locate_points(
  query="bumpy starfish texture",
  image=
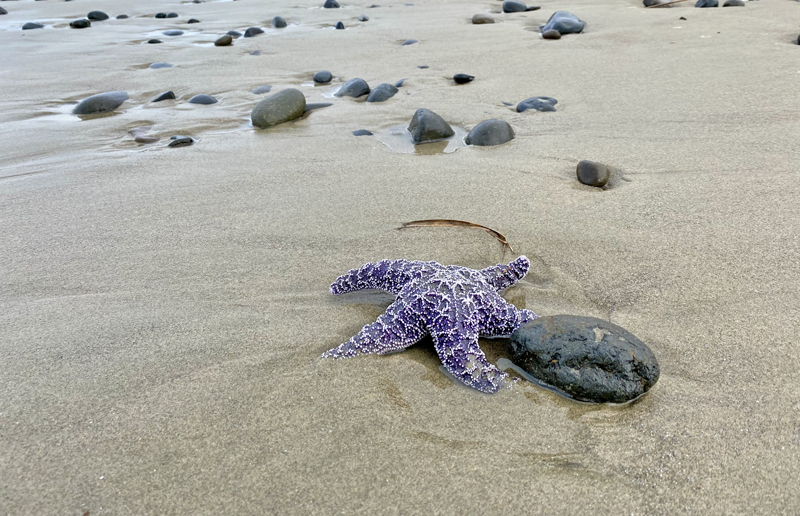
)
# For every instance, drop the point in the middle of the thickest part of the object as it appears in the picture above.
(455, 305)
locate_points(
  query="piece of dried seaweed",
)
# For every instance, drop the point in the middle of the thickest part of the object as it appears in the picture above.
(456, 223)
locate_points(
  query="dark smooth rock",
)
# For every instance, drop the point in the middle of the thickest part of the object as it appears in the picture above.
(278, 108)
(399, 84)
(317, 105)
(733, 3)
(339, 26)
(551, 34)
(462, 78)
(330, 4)
(490, 132)
(180, 141)
(156, 66)
(513, 6)
(82, 23)
(161, 15)
(648, 3)
(587, 359)
(173, 32)
(565, 23)
(172, 15)
(373, 6)
(592, 173)
(167, 95)
(153, 41)
(97, 16)
(382, 92)
(422, 67)
(682, 18)
(482, 19)
(362, 132)
(32, 25)
(278, 22)
(353, 88)
(100, 103)
(427, 126)
(224, 41)
(409, 42)
(252, 31)
(193, 20)
(537, 103)
(234, 34)
(363, 17)
(707, 3)
(122, 17)
(262, 89)
(3, 11)
(323, 76)
(202, 99)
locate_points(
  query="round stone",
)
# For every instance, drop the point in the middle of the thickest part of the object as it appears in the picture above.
(592, 173)
(234, 34)
(427, 126)
(156, 66)
(317, 105)
(551, 34)
(252, 31)
(262, 90)
(3, 11)
(363, 17)
(707, 3)
(339, 26)
(538, 104)
(100, 103)
(167, 95)
(278, 22)
(564, 23)
(32, 25)
(585, 358)
(154, 41)
(161, 15)
(462, 78)
(224, 41)
(82, 23)
(382, 92)
(362, 132)
(173, 32)
(490, 132)
(353, 88)
(323, 76)
(482, 19)
(330, 4)
(172, 15)
(278, 108)
(193, 20)
(513, 6)
(202, 99)
(733, 3)
(97, 16)
(122, 17)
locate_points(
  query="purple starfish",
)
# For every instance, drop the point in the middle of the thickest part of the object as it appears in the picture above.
(455, 305)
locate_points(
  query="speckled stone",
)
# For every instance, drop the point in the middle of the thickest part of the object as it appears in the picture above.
(100, 103)
(592, 173)
(203, 99)
(278, 108)
(427, 126)
(353, 88)
(490, 132)
(585, 358)
(180, 141)
(482, 19)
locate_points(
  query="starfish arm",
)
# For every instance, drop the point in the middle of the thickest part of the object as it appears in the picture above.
(388, 275)
(501, 319)
(462, 357)
(503, 276)
(395, 330)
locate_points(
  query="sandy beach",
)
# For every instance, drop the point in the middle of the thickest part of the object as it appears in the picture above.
(163, 310)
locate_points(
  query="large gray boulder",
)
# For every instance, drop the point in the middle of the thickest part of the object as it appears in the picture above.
(427, 126)
(278, 108)
(490, 132)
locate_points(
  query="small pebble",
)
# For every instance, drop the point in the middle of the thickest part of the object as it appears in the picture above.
(255, 52)
(156, 66)
(592, 173)
(262, 89)
(682, 18)
(193, 20)
(167, 95)
(551, 34)
(489, 133)
(172, 15)
(399, 84)
(161, 15)
(323, 76)
(462, 78)
(330, 4)
(202, 99)
(409, 42)
(363, 17)
(122, 17)
(172, 32)
(80, 24)
(482, 19)
(513, 6)
(3, 11)
(339, 25)
(252, 31)
(234, 34)
(153, 41)
(97, 16)
(32, 25)
(423, 67)
(180, 141)
(565, 23)
(362, 132)
(224, 41)
(278, 22)
(707, 3)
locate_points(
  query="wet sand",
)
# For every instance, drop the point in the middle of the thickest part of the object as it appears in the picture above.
(162, 311)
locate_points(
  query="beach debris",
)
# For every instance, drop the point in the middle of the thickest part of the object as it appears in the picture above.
(585, 358)
(537, 104)
(100, 103)
(513, 6)
(427, 126)
(167, 95)
(278, 108)
(382, 92)
(482, 19)
(353, 88)
(278, 22)
(592, 173)
(490, 132)
(456, 223)
(203, 99)
(565, 23)
(454, 305)
(462, 78)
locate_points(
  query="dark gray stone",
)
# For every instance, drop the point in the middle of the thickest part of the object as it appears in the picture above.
(193, 20)
(565, 23)
(172, 15)
(173, 32)
(490, 132)
(180, 141)
(3, 11)
(409, 42)
(592, 173)
(262, 89)
(363, 17)
(278, 22)
(316, 105)
(323, 76)
(382, 92)
(587, 359)
(330, 4)
(707, 3)
(648, 3)
(353, 88)
(161, 15)
(427, 126)
(513, 6)
(32, 25)
(82, 23)
(224, 41)
(167, 95)
(339, 26)
(234, 34)
(537, 103)
(482, 19)
(278, 108)
(100, 103)
(154, 41)
(462, 78)
(156, 66)
(97, 16)
(423, 67)
(733, 3)
(399, 84)
(252, 31)
(122, 17)
(551, 34)
(203, 99)
(362, 132)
